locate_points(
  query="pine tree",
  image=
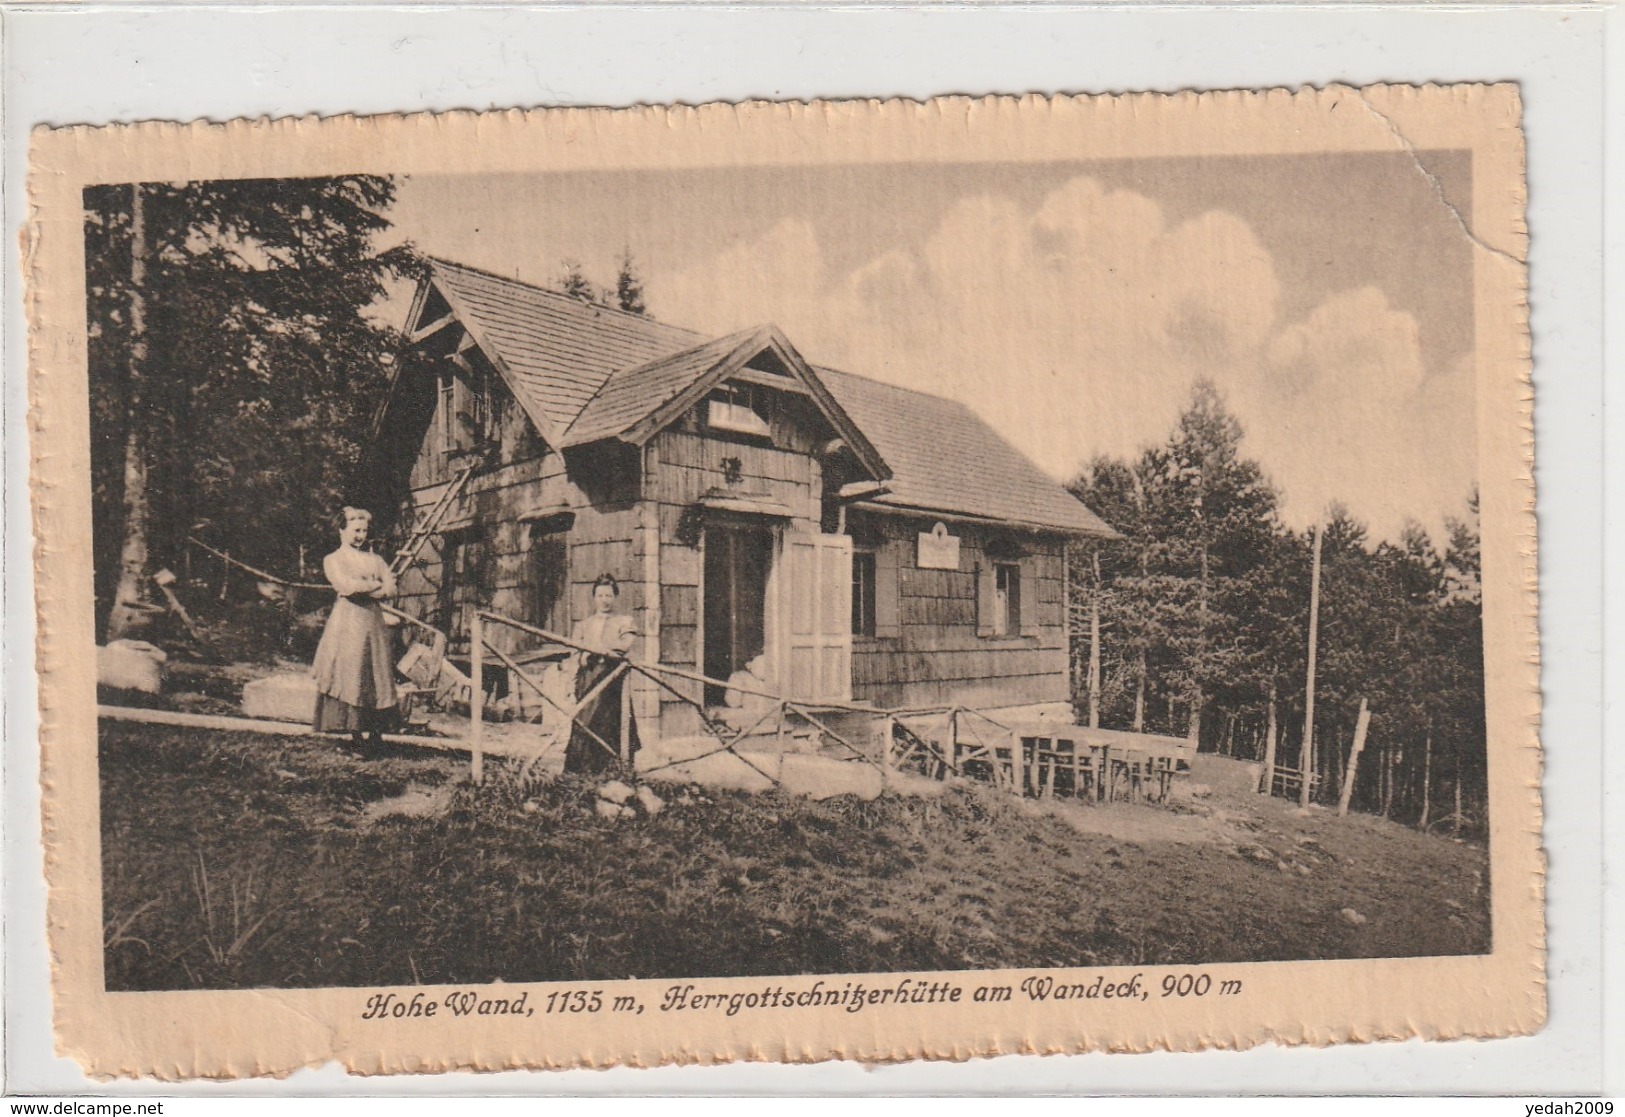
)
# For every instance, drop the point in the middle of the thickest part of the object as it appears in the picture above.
(573, 282)
(629, 286)
(233, 364)
(1213, 514)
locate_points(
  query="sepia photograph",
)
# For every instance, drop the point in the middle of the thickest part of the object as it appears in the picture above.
(508, 582)
(848, 594)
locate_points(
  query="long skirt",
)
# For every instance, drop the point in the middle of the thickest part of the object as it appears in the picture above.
(598, 723)
(355, 673)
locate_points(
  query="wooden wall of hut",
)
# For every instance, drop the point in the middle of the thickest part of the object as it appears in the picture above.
(937, 656)
(682, 467)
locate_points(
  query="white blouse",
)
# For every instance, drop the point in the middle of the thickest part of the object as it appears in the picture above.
(613, 633)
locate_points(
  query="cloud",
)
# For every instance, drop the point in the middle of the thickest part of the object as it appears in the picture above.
(1346, 410)
(1078, 326)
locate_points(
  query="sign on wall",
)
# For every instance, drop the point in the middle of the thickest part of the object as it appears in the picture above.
(938, 550)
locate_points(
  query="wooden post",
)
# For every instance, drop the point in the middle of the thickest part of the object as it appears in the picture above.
(1306, 762)
(1266, 784)
(626, 716)
(1360, 728)
(1094, 646)
(476, 698)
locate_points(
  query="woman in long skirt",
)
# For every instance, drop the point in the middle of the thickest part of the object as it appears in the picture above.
(355, 672)
(595, 735)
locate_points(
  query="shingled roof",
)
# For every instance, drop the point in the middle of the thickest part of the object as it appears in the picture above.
(946, 459)
(592, 373)
(556, 350)
(630, 394)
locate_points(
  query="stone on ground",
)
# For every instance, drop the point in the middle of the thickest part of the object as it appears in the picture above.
(130, 665)
(615, 791)
(1352, 917)
(284, 697)
(651, 803)
(612, 811)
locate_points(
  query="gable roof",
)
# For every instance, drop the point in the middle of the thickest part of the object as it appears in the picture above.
(632, 394)
(589, 372)
(946, 459)
(637, 402)
(555, 350)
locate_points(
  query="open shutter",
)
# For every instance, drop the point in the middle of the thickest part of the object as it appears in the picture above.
(815, 631)
(985, 591)
(887, 623)
(1029, 597)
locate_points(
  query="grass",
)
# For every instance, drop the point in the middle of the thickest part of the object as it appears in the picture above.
(238, 860)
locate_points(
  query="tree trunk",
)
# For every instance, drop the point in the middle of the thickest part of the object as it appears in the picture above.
(1427, 777)
(1306, 764)
(1353, 769)
(1139, 697)
(1094, 646)
(1266, 783)
(132, 581)
(1389, 763)
(1198, 699)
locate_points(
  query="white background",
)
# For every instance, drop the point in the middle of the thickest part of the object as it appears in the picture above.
(95, 65)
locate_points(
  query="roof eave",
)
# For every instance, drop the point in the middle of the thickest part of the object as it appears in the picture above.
(904, 508)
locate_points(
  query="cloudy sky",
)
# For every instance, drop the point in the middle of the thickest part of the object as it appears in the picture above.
(1071, 305)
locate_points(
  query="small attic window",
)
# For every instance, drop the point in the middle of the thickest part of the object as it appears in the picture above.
(737, 409)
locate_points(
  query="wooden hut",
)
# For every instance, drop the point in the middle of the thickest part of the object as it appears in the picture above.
(867, 542)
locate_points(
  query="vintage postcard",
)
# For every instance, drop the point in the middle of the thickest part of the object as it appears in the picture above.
(787, 581)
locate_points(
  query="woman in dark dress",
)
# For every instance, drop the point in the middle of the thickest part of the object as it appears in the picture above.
(598, 723)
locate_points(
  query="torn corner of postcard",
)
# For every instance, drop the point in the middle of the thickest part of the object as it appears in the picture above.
(588, 587)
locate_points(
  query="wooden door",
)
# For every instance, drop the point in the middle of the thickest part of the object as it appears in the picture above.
(814, 596)
(737, 561)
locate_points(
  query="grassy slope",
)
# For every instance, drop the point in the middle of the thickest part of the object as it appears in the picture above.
(234, 860)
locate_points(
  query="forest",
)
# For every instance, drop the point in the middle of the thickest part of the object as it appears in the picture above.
(237, 358)
(1196, 623)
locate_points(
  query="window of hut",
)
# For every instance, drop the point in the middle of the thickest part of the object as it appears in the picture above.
(462, 580)
(864, 584)
(1006, 599)
(468, 412)
(549, 574)
(738, 409)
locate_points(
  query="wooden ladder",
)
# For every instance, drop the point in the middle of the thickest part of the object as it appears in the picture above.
(430, 523)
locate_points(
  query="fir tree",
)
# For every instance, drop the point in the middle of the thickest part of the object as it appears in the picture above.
(629, 286)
